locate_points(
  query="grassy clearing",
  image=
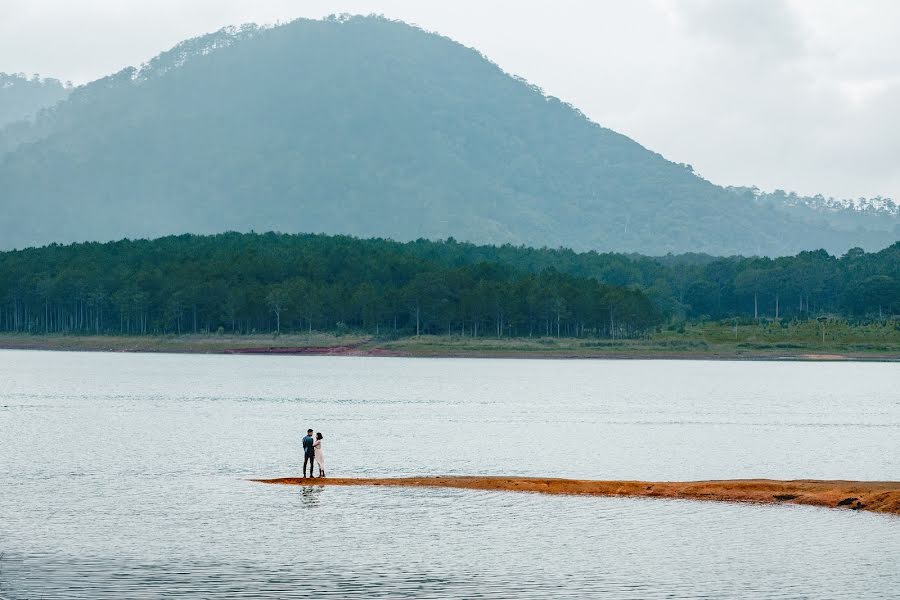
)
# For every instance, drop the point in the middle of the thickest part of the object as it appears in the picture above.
(768, 340)
(710, 340)
(807, 336)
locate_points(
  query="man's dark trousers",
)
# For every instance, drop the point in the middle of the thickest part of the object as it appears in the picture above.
(309, 454)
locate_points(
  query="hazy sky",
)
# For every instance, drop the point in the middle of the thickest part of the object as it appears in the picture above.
(795, 94)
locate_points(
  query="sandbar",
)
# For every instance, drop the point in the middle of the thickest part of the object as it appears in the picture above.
(876, 496)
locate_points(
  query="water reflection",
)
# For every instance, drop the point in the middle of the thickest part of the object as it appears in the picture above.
(311, 495)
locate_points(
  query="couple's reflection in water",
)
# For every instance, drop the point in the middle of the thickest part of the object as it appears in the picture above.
(309, 495)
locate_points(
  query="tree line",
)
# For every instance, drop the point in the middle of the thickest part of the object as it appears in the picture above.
(858, 285)
(246, 283)
(274, 282)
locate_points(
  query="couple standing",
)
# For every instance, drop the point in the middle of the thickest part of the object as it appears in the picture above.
(312, 451)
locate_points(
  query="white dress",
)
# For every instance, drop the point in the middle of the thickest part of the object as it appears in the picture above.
(320, 458)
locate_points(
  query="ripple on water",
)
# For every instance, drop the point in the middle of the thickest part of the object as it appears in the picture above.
(122, 477)
(285, 542)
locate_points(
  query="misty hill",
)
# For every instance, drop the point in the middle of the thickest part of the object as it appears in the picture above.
(21, 97)
(364, 126)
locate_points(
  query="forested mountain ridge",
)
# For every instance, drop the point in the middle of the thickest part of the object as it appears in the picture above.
(368, 127)
(22, 97)
(876, 214)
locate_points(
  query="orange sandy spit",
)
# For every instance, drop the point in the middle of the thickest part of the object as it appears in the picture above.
(877, 496)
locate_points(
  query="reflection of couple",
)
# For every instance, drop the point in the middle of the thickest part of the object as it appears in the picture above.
(312, 450)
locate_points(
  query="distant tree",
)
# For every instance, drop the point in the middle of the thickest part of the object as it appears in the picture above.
(278, 299)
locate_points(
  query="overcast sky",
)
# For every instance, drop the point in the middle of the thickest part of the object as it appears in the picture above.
(801, 95)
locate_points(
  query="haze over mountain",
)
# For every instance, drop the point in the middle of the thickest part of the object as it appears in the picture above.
(22, 97)
(374, 128)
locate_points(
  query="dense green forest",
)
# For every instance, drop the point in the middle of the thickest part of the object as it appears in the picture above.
(274, 282)
(856, 285)
(368, 127)
(249, 282)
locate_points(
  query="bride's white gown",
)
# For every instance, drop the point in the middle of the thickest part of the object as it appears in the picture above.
(320, 458)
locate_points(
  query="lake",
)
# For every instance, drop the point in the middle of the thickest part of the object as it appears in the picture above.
(124, 475)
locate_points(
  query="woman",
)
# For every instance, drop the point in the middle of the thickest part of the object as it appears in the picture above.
(320, 458)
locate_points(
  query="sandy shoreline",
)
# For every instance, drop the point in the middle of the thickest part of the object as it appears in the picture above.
(155, 347)
(876, 496)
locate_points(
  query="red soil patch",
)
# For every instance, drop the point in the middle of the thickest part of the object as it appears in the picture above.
(312, 350)
(876, 496)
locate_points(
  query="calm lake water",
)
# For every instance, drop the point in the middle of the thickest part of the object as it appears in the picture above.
(123, 476)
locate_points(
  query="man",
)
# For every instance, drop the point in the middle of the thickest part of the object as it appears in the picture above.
(309, 453)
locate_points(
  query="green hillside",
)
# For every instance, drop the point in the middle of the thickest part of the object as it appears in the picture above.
(368, 127)
(22, 97)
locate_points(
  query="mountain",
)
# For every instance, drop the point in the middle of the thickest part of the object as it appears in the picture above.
(363, 126)
(21, 98)
(860, 215)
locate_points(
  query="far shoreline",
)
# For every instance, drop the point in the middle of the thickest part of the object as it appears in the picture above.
(437, 347)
